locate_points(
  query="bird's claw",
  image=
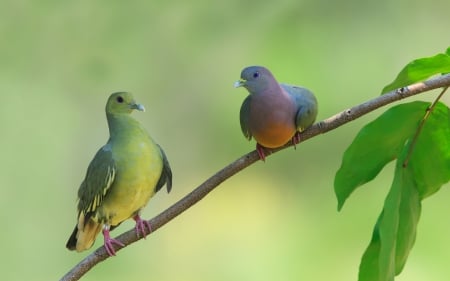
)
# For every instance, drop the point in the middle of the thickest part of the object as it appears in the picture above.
(260, 150)
(109, 242)
(142, 226)
(296, 139)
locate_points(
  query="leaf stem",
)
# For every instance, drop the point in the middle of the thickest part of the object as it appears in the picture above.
(419, 128)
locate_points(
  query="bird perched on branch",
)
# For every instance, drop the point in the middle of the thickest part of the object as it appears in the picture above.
(274, 113)
(124, 174)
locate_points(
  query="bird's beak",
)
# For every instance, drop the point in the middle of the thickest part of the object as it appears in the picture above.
(137, 106)
(239, 83)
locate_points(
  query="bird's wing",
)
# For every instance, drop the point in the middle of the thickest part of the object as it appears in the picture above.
(244, 118)
(306, 104)
(166, 173)
(99, 179)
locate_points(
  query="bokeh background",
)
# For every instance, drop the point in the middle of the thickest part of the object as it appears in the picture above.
(60, 60)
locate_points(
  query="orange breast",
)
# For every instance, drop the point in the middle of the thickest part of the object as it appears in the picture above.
(273, 135)
(272, 119)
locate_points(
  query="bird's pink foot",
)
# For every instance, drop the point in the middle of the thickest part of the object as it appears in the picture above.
(109, 242)
(142, 226)
(296, 139)
(260, 150)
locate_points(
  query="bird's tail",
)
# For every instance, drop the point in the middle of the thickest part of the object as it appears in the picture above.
(84, 234)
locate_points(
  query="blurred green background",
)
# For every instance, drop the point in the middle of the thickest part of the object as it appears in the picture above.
(60, 60)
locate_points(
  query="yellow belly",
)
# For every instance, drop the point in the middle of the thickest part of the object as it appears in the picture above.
(132, 190)
(125, 202)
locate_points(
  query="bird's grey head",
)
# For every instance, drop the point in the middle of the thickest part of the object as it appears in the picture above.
(255, 79)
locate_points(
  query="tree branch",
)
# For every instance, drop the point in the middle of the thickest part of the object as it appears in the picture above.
(201, 191)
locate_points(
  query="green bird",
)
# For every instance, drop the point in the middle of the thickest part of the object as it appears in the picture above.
(124, 174)
(274, 113)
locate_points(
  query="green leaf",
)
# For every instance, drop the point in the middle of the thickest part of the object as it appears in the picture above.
(420, 69)
(448, 51)
(378, 143)
(428, 169)
(369, 268)
(395, 231)
(430, 160)
(409, 214)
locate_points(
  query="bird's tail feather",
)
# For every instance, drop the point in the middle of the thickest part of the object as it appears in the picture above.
(72, 242)
(84, 234)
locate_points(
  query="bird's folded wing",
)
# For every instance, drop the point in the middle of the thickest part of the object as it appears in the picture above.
(306, 104)
(99, 179)
(166, 174)
(244, 118)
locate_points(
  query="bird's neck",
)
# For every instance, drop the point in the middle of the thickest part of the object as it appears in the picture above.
(122, 125)
(274, 89)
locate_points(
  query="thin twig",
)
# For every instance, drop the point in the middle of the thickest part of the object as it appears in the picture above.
(419, 128)
(201, 191)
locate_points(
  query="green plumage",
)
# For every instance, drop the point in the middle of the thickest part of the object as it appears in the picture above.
(124, 174)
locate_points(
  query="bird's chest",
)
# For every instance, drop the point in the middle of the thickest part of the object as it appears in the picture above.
(272, 121)
(138, 171)
(140, 166)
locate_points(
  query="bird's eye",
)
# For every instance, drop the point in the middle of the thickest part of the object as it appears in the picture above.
(119, 99)
(256, 74)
